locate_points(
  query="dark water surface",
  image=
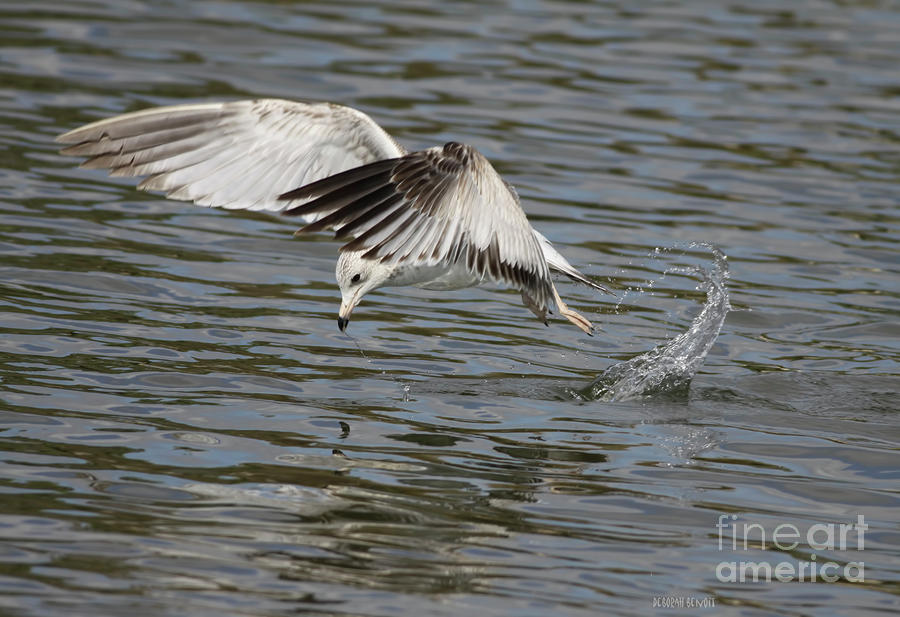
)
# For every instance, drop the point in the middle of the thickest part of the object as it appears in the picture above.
(184, 431)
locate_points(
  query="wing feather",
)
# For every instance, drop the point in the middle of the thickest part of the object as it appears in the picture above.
(442, 205)
(240, 154)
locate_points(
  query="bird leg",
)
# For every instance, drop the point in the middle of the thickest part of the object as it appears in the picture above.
(571, 315)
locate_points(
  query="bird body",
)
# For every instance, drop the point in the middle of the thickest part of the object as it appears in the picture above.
(440, 218)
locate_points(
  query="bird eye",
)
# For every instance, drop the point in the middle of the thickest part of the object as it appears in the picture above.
(355, 278)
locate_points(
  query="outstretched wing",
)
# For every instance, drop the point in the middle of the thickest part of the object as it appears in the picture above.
(239, 155)
(445, 205)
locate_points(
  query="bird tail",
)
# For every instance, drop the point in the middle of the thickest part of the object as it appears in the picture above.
(560, 264)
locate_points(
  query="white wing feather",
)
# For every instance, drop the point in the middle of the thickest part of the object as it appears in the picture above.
(240, 154)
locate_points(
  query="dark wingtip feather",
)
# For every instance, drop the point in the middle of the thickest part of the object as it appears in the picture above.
(299, 193)
(331, 183)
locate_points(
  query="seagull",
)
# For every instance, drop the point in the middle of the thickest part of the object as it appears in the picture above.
(440, 218)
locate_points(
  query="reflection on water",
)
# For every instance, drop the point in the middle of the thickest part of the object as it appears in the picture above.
(183, 430)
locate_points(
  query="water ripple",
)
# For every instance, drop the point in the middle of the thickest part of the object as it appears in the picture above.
(182, 425)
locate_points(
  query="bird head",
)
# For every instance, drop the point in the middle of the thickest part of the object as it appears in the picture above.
(356, 277)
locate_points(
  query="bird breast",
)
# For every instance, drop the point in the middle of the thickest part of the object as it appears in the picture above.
(437, 277)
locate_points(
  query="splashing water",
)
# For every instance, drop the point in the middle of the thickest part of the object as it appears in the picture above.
(669, 368)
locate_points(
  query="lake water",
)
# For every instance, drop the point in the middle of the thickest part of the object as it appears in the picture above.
(184, 431)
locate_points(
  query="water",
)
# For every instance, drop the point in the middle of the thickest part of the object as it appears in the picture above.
(183, 429)
(669, 368)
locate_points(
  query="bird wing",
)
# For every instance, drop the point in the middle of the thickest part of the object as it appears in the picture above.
(443, 205)
(238, 155)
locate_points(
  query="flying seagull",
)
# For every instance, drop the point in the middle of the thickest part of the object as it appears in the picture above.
(440, 218)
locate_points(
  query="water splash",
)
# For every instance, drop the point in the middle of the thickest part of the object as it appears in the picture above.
(669, 368)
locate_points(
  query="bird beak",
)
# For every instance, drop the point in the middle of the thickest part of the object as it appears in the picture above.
(344, 314)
